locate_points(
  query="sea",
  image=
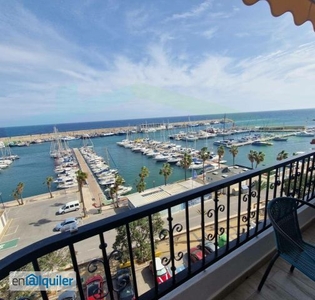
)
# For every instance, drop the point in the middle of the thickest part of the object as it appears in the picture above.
(35, 163)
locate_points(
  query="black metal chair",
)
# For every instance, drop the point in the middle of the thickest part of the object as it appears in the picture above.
(282, 213)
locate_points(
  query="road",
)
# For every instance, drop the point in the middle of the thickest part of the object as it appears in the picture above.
(36, 219)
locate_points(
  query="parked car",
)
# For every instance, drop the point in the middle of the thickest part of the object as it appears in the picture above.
(180, 268)
(196, 254)
(209, 246)
(94, 288)
(68, 207)
(66, 225)
(123, 285)
(162, 273)
(68, 295)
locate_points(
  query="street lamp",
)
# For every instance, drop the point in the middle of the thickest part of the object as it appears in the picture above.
(2, 200)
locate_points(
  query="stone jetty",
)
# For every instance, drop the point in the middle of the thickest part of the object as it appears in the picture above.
(45, 137)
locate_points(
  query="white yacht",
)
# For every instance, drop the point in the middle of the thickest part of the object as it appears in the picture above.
(304, 134)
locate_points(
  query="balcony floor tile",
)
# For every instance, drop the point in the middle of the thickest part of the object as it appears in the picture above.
(280, 284)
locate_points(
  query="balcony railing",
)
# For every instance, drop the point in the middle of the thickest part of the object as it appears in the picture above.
(225, 214)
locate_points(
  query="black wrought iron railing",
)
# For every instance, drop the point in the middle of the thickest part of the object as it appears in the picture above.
(188, 232)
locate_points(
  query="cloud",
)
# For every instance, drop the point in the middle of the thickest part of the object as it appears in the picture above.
(209, 34)
(201, 68)
(194, 12)
(136, 19)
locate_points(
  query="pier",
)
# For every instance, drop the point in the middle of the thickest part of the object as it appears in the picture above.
(262, 139)
(95, 191)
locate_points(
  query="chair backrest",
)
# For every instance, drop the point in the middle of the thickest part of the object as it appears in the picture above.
(282, 213)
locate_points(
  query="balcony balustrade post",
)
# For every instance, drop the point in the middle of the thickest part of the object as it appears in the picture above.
(37, 269)
(202, 216)
(312, 177)
(77, 271)
(132, 263)
(239, 201)
(308, 179)
(216, 227)
(228, 206)
(171, 241)
(108, 275)
(257, 204)
(152, 242)
(187, 235)
(299, 181)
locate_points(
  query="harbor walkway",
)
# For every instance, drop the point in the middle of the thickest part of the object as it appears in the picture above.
(92, 193)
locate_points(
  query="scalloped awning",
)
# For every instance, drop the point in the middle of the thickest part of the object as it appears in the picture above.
(302, 10)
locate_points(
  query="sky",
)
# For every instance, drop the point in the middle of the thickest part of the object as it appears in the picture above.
(102, 60)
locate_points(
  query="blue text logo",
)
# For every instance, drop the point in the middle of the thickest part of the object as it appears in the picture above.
(43, 281)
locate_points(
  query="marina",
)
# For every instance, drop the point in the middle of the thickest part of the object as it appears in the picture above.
(35, 163)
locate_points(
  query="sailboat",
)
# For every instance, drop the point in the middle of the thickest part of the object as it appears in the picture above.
(56, 148)
(86, 141)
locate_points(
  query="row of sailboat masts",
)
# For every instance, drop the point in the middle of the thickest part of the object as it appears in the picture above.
(58, 146)
(152, 127)
(108, 157)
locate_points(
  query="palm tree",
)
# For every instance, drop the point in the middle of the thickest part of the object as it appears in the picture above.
(81, 179)
(204, 155)
(234, 151)
(185, 162)
(251, 157)
(282, 155)
(166, 171)
(144, 173)
(16, 196)
(114, 190)
(259, 157)
(220, 152)
(48, 182)
(18, 193)
(141, 184)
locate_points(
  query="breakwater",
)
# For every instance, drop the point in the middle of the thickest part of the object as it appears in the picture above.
(102, 132)
(99, 132)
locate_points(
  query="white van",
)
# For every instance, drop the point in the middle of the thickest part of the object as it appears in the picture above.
(70, 206)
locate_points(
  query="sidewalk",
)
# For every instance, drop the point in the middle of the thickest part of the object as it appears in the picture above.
(92, 192)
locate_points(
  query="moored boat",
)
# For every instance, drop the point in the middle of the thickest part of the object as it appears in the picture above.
(304, 134)
(280, 139)
(261, 143)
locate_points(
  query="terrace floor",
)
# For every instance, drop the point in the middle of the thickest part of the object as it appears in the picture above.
(280, 284)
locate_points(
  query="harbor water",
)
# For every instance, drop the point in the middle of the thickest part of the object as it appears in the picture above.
(35, 163)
